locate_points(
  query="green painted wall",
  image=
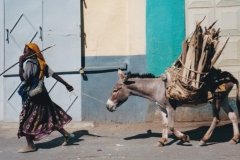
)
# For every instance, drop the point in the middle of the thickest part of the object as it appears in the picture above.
(165, 31)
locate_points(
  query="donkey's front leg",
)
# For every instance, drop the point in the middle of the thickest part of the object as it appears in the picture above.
(177, 133)
(164, 138)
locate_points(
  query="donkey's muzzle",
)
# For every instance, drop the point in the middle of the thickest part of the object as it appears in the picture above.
(110, 105)
(111, 108)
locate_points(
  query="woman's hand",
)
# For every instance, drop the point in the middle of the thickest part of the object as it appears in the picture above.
(69, 88)
(58, 78)
(22, 59)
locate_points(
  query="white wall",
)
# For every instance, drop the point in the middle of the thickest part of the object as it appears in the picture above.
(1, 55)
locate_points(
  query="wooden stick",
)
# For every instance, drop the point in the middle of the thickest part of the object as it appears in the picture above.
(190, 53)
(205, 29)
(205, 60)
(213, 31)
(26, 58)
(193, 61)
(197, 25)
(216, 33)
(215, 42)
(212, 25)
(187, 63)
(215, 36)
(216, 56)
(201, 61)
(184, 51)
(211, 53)
(198, 50)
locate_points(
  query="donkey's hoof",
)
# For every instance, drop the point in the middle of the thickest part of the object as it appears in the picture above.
(160, 144)
(202, 143)
(233, 141)
(187, 139)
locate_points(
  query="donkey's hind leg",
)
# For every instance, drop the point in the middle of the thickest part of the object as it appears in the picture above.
(233, 117)
(215, 110)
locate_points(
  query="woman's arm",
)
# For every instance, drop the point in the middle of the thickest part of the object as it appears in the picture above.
(58, 78)
(21, 70)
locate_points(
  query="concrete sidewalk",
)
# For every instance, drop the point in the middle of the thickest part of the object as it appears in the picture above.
(124, 141)
(72, 125)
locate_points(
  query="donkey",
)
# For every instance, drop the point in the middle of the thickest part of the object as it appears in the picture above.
(154, 88)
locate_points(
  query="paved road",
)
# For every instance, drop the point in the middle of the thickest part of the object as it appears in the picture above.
(125, 141)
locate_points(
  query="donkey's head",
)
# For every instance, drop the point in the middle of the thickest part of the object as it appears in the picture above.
(120, 92)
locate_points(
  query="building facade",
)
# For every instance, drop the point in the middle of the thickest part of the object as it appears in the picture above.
(96, 37)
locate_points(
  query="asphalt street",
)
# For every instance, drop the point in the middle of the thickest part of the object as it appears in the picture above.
(125, 141)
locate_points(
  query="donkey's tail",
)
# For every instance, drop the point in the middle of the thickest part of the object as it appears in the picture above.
(238, 98)
(238, 94)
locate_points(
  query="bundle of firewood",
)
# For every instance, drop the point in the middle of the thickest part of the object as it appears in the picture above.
(198, 55)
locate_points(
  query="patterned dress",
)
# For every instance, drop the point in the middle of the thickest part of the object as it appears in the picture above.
(40, 115)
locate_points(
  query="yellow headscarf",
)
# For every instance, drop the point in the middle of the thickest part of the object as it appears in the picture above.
(40, 57)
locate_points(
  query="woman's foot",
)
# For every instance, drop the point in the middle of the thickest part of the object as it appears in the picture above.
(68, 139)
(27, 149)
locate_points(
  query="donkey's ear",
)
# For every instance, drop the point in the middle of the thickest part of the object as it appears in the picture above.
(126, 77)
(120, 74)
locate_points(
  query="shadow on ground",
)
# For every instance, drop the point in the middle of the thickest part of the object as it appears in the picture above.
(56, 142)
(221, 134)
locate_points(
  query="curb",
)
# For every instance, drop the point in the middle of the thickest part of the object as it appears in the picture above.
(71, 125)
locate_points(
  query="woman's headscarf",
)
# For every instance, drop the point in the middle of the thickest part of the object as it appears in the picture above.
(40, 57)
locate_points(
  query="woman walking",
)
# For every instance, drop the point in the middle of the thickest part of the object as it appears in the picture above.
(39, 116)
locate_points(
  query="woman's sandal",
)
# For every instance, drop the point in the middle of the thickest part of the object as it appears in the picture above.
(25, 150)
(70, 138)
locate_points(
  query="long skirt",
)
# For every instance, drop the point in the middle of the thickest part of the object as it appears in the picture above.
(40, 116)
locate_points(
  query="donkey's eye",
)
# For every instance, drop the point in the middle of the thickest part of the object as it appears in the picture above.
(115, 90)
